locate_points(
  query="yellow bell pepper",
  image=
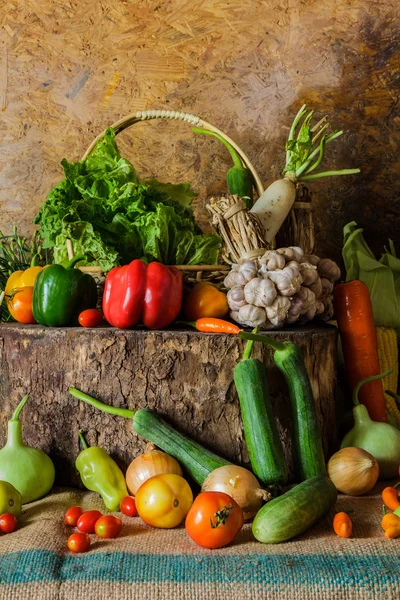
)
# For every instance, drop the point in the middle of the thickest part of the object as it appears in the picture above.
(205, 300)
(15, 284)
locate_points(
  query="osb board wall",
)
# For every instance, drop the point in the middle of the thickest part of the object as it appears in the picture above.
(68, 69)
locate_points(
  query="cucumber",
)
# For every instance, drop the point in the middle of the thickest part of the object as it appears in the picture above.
(296, 511)
(198, 461)
(307, 450)
(260, 430)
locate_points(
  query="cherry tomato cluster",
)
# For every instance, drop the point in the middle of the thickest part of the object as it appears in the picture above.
(93, 521)
(8, 523)
(90, 521)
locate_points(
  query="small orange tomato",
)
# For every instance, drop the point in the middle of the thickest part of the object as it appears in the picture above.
(72, 515)
(164, 500)
(128, 506)
(19, 305)
(79, 542)
(214, 520)
(108, 527)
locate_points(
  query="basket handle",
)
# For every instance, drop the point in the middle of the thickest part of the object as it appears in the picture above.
(145, 115)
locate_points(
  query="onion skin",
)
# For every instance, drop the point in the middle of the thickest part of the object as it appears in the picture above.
(241, 485)
(150, 463)
(353, 471)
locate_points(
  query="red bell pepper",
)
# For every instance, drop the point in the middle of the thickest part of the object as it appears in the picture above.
(151, 292)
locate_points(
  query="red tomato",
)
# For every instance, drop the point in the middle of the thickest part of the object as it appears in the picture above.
(87, 521)
(72, 515)
(108, 527)
(90, 318)
(214, 520)
(128, 506)
(79, 542)
(8, 523)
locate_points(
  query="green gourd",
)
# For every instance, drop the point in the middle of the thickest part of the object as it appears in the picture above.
(379, 439)
(29, 470)
(198, 461)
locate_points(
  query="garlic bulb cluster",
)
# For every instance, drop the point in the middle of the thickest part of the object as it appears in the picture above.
(283, 286)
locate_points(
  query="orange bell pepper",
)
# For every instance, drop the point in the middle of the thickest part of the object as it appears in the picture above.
(205, 300)
(18, 293)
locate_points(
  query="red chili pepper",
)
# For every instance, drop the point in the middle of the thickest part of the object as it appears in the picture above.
(152, 292)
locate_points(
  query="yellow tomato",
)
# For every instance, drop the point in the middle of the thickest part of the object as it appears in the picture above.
(164, 500)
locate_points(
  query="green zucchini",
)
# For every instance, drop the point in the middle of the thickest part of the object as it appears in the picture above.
(296, 511)
(198, 461)
(260, 430)
(307, 450)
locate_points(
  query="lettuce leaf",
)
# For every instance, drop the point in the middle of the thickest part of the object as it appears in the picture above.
(382, 277)
(112, 216)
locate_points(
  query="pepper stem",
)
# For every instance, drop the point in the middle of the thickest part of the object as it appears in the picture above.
(82, 440)
(356, 401)
(112, 410)
(20, 406)
(74, 260)
(264, 339)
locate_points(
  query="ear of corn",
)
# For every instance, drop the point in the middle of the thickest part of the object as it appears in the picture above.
(389, 359)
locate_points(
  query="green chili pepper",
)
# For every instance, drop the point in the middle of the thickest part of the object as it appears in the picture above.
(61, 294)
(99, 473)
(239, 178)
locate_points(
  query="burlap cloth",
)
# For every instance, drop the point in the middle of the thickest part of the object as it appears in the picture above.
(145, 563)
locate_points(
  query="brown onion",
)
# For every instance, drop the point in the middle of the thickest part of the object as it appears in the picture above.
(353, 471)
(151, 462)
(240, 484)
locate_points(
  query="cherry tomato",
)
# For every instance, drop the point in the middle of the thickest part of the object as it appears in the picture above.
(214, 520)
(8, 523)
(90, 318)
(128, 506)
(72, 515)
(19, 305)
(79, 542)
(87, 521)
(108, 527)
(164, 500)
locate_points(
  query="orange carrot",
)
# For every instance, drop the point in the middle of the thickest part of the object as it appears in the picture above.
(392, 532)
(390, 520)
(342, 525)
(357, 331)
(390, 498)
(210, 325)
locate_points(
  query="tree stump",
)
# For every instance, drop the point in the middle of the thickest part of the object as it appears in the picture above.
(186, 376)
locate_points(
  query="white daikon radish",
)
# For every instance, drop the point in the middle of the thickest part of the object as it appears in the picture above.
(304, 152)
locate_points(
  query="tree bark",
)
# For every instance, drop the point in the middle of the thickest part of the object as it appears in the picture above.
(186, 376)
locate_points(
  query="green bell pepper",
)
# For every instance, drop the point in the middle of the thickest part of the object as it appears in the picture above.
(99, 473)
(61, 294)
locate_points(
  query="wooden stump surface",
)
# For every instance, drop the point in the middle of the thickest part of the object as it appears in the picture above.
(185, 375)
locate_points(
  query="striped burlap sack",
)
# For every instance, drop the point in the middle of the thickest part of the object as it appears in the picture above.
(145, 563)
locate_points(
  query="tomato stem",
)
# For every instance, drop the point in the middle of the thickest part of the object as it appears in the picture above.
(221, 516)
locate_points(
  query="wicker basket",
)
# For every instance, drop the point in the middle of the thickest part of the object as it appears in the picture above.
(192, 273)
